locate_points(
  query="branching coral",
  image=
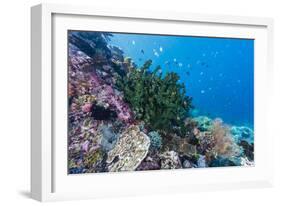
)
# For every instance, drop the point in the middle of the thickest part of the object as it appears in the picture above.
(161, 102)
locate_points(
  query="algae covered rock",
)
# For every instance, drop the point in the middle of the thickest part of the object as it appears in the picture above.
(151, 162)
(201, 162)
(107, 138)
(248, 149)
(131, 148)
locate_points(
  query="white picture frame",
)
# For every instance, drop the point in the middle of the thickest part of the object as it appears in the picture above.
(49, 181)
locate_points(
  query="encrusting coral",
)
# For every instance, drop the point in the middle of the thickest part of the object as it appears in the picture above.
(130, 150)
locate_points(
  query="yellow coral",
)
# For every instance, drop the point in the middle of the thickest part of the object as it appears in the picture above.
(86, 99)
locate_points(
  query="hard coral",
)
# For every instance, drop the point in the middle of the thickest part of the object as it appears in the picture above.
(170, 160)
(131, 148)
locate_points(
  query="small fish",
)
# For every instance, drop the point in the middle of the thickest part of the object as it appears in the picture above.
(175, 60)
(133, 42)
(140, 59)
(180, 64)
(167, 63)
(161, 49)
(187, 73)
(142, 51)
(156, 54)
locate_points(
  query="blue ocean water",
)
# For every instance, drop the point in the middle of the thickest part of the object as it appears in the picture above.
(218, 72)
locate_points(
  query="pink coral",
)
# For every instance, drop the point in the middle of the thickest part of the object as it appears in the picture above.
(85, 146)
(87, 107)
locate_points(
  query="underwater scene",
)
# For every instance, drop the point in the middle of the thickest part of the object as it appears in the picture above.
(151, 102)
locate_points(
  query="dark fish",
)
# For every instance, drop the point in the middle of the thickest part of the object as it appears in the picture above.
(140, 59)
(187, 73)
(142, 51)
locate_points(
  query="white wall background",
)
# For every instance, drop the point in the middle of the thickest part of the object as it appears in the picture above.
(15, 95)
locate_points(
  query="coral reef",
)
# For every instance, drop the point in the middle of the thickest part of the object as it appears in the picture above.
(129, 151)
(122, 117)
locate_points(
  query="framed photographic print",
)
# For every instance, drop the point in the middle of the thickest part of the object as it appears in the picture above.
(135, 102)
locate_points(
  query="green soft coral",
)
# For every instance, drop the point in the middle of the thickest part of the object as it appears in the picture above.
(160, 101)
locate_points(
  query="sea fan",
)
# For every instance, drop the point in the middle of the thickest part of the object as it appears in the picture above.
(224, 144)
